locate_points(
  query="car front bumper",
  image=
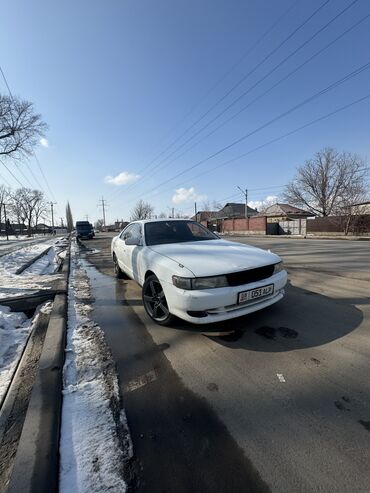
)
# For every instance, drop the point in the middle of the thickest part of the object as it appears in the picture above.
(218, 304)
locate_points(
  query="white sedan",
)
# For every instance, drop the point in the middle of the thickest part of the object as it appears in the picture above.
(188, 271)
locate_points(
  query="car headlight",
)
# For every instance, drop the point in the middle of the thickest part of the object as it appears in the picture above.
(209, 282)
(200, 282)
(278, 267)
(181, 282)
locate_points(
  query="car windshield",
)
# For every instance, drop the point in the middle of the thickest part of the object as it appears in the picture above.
(83, 225)
(158, 233)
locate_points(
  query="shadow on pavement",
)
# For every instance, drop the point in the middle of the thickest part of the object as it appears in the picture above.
(301, 320)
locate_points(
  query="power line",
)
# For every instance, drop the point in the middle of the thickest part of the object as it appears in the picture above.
(6, 83)
(273, 120)
(24, 176)
(276, 139)
(158, 166)
(227, 73)
(43, 175)
(271, 53)
(39, 165)
(33, 175)
(5, 180)
(13, 175)
(240, 81)
(283, 79)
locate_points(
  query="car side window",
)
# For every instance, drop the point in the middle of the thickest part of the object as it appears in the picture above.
(136, 231)
(126, 232)
(132, 231)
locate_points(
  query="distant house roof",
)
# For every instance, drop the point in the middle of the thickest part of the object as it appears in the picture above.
(284, 210)
(367, 202)
(204, 215)
(232, 209)
(41, 226)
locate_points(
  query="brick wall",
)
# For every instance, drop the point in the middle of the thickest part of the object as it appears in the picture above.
(359, 225)
(252, 225)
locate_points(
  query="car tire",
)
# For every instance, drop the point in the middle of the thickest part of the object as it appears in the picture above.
(117, 269)
(155, 302)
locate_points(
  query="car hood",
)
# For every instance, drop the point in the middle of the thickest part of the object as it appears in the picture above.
(214, 257)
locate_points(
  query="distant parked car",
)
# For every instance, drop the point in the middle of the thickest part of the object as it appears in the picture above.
(188, 271)
(84, 230)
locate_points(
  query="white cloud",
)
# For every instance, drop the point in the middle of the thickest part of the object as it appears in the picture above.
(186, 195)
(260, 205)
(44, 142)
(121, 179)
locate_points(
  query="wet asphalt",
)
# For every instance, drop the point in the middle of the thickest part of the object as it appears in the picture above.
(276, 403)
(180, 444)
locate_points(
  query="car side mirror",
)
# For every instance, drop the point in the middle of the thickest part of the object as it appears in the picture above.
(134, 241)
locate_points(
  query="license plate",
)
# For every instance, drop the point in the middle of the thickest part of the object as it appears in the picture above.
(253, 294)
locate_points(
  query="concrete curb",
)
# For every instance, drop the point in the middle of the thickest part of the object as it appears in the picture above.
(32, 261)
(36, 467)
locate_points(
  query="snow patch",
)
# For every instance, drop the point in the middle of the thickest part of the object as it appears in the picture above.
(95, 443)
(39, 275)
(15, 328)
(14, 331)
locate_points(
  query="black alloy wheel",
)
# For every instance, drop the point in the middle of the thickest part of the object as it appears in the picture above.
(155, 302)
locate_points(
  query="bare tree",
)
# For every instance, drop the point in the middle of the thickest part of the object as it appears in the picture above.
(99, 224)
(28, 205)
(17, 212)
(69, 218)
(20, 127)
(328, 184)
(206, 206)
(162, 215)
(142, 210)
(40, 207)
(216, 205)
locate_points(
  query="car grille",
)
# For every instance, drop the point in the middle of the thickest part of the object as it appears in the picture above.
(250, 275)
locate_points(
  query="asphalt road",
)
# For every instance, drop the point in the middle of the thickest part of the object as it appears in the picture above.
(281, 404)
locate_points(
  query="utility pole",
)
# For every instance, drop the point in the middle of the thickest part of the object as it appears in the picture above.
(5, 221)
(173, 212)
(245, 193)
(52, 216)
(61, 222)
(195, 210)
(103, 204)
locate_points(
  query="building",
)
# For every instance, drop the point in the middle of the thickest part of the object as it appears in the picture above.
(233, 210)
(203, 216)
(361, 208)
(285, 219)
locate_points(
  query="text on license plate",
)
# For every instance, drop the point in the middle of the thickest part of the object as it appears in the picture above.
(255, 293)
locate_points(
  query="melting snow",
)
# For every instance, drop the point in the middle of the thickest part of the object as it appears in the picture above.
(95, 442)
(38, 276)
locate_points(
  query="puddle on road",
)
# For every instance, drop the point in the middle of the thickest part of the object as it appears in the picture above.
(271, 332)
(365, 424)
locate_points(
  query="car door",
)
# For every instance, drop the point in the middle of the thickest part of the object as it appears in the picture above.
(131, 252)
(120, 249)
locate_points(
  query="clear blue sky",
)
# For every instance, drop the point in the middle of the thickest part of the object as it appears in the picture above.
(115, 81)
